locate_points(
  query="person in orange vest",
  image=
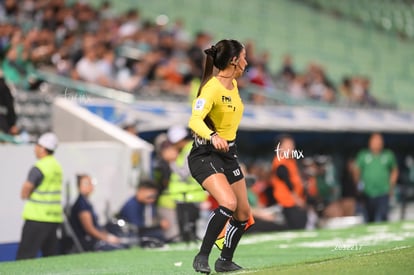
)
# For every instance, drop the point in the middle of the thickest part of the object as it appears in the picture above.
(288, 189)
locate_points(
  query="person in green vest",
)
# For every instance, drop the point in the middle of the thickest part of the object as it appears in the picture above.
(43, 212)
(179, 202)
(376, 171)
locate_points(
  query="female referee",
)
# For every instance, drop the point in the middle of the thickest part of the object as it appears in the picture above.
(216, 114)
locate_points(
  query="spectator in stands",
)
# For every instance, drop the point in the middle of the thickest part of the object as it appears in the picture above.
(43, 212)
(8, 116)
(6, 31)
(368, 99)
(41, 45)
(288, 188)
(181, 34)
(62, 61)
(355, 90)
(11, 8)
(106, 65)
(261, 81)
(376, 172)
(61, 28)
(16, 65)
(84, 220)
(318, 86)
(196, 52)
(106, 10)
(91, 67)
(141, 211)
(345, 89)
(286, 74)
(131, 24)
(172, 76)
(296, 87)
(131, 74)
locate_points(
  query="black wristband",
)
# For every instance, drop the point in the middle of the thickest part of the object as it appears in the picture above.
(213, 134)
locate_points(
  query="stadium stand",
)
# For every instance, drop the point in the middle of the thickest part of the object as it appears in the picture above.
(33, 110)
(395, 17)
(338, 49)
(280, 27)
(341, 48)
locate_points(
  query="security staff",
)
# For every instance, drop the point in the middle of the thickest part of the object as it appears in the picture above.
(43, 209)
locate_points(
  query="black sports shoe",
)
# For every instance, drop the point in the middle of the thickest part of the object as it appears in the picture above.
(200, 264)
(226, 266)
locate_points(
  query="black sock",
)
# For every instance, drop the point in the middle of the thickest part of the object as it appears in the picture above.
(216, 222)
(234, 232)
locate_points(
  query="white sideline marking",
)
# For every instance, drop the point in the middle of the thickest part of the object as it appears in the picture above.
(374, 235)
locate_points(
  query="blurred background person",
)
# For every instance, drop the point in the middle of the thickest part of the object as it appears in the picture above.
(376, 173)
(266, 218)
(288, 188)
(323, 191)
(179, 202)
(141, 211)
(164, 154)
(8, 116)
(84, 220)
(43, 211)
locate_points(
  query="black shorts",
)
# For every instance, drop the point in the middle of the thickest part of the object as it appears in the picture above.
(205, 160)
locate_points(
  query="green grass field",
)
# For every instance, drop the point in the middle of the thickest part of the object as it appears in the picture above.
(372, 249)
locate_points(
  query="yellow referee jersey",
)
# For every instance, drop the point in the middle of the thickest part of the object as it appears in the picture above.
(223, 106)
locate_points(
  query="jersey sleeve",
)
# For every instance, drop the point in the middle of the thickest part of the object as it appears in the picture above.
(202, 105)
(83, 206)
(35, 176)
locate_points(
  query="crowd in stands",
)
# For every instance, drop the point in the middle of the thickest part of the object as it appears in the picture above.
(314, 83)
(395, 17)
(144, 57)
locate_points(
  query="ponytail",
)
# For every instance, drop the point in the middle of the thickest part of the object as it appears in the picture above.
(207, 74)
(208, 67)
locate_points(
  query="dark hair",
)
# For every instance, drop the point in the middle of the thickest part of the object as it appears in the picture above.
(219, 56)
(147, 183)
